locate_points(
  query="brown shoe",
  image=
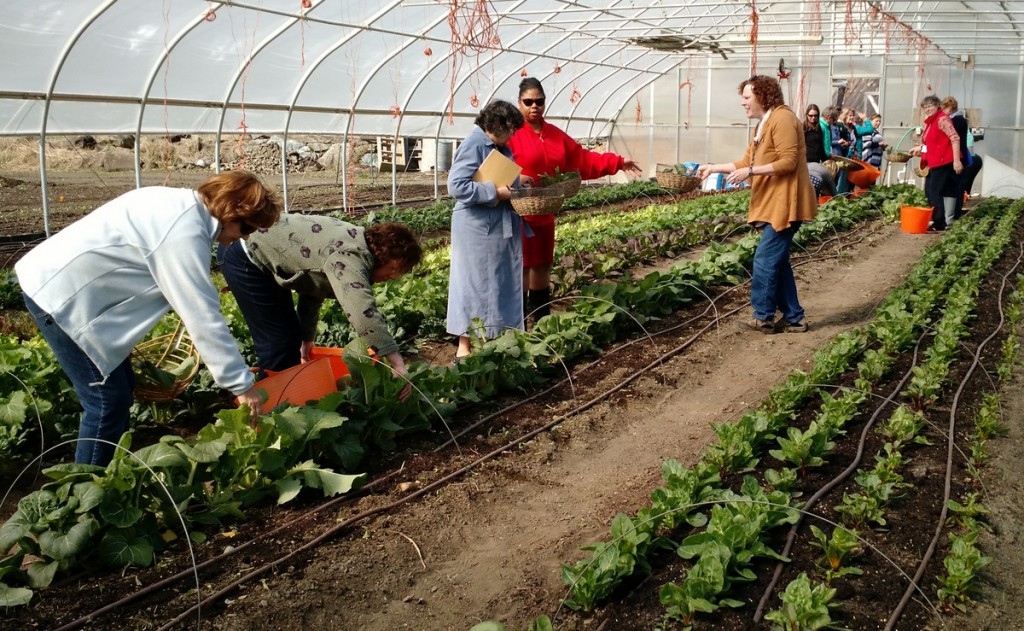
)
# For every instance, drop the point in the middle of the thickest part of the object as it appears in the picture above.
(793, 327)
(753, 324)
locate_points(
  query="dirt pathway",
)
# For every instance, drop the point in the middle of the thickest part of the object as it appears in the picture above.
(492, 543)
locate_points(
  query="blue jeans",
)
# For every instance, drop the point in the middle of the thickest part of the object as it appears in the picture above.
(773, 287)
(266, 306)
(105, 402)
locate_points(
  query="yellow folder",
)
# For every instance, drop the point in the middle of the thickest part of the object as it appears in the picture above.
(498, 169)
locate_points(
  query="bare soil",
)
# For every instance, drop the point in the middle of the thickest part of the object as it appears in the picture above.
(488, 543)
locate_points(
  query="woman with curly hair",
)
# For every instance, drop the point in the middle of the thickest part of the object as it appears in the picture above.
(318, 258)
(486, 274)
(781, 199)
(97, 287)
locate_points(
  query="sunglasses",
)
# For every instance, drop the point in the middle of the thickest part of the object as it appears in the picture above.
(246, 228)
(812, 116)
(530, 102)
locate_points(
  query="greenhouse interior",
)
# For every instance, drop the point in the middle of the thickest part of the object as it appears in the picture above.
(278, 350)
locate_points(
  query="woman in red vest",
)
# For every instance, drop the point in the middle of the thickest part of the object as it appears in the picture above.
(540, 149)
(940, 152)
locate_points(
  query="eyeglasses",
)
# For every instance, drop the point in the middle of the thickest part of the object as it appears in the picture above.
(530, 102)
(812, 116)
(246, 228)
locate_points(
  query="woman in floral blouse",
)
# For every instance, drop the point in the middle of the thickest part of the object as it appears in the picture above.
(318, 258)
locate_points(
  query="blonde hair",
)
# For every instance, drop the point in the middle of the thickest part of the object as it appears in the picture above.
(240, 196)
(949, 104)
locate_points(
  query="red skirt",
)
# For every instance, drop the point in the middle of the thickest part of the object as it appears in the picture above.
(540, 248)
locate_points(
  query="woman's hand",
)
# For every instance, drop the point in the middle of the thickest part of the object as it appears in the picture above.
(915, 150)
(525, 181)
(399, 369)
(304, 350)
(632, 168)
(738, 176)
(254, 400)
(704, 170)
(504, 193)
(958, 166)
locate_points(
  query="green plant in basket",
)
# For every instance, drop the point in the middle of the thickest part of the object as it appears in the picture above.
(546, 180)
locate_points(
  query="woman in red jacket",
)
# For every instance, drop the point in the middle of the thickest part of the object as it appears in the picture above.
(940, 152)
(540, 148)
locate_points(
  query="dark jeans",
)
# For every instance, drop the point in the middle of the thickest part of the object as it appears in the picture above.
(266, 306)
(105, 402)
(971, 172)
(940, 184)
(772, 287)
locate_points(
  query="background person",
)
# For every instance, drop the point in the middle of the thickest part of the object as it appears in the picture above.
(540, 149)
(319, 258)
(486, 273)
(940, 152)
(781, 198)
(873, 143)
(98, 286)
(814, 139)
(950, 106)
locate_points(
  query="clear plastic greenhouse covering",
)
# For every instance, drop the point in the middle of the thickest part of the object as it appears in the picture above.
(409, 67)
(418, 68)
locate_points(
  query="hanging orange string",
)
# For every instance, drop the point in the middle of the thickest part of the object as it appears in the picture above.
(688, 84)
(472, 32)
(754, 19)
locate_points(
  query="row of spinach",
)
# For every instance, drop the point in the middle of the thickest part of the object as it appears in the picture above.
(736, 532)
(122, 513)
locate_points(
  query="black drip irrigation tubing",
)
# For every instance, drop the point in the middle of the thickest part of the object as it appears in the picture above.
(947, 487)
(388, 507)
(434, 485)
(846, 473)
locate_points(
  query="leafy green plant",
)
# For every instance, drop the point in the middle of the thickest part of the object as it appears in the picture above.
(957, 584)
(970, 515)
(837, 548)
(803, 449)
(859, 510)
(805, 607)
(903, 427)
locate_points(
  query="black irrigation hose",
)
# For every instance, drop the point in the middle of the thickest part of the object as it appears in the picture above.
(441, 481)
(90, 617)
(947, 488)
(846, 473)
(366, 514)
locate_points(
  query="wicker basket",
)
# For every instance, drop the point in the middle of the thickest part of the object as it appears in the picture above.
(571, 185)
(538, 201)
(898, 156)
(166, 352)
(681, 183)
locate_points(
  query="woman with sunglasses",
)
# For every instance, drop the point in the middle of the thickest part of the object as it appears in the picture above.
(542, 149)
(317, 257)
(98, 286)
(781, 199)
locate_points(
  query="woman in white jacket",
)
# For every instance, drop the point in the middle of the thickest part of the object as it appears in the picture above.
(97, 287)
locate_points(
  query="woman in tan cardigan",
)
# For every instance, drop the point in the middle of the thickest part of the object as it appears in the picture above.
(775, 167)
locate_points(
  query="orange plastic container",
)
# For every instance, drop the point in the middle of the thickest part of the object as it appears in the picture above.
(299, 384)
(824, 199)
(914, 219)
(864, 177)
(334, 357)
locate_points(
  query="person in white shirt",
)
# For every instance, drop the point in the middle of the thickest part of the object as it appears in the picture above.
(97, 287)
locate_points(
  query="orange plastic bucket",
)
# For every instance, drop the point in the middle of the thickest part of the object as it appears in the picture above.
(334, 357)
(864, 177)
(299, 384)
(914, 219)
(824, 199)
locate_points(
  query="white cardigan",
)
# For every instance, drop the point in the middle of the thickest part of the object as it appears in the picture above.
(111, 276)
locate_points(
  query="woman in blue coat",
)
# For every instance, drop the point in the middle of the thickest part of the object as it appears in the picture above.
(486, 277)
